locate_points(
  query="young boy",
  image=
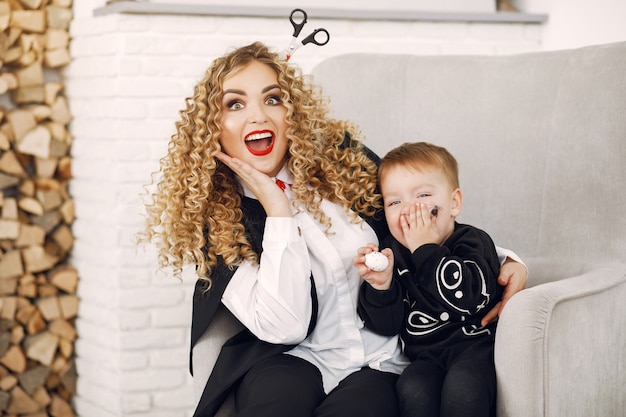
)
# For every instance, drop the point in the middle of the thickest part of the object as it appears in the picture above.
(440, 282)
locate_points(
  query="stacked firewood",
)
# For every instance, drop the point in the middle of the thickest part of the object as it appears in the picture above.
(38, 302)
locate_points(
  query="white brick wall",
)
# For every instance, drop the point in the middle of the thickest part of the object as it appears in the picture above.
(127, 81)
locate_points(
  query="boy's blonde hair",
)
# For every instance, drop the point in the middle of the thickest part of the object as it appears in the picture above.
(420, 155)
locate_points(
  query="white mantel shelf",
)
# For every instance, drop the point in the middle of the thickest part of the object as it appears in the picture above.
(132, 7)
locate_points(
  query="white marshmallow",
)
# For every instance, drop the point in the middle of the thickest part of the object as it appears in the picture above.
(376, 261)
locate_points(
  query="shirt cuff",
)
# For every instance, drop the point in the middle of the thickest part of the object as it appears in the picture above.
(507, 253)
(281, 229)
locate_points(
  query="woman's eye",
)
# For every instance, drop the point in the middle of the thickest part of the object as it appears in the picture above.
(273, 100)
(235, 105)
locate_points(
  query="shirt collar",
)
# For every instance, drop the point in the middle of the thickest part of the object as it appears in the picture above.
(284, 175)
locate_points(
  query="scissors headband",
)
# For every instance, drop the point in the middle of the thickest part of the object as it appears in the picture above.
(298, 19)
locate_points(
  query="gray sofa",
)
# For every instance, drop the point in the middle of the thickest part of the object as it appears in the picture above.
(541, 144)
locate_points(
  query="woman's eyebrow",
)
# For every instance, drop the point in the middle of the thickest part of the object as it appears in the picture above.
(243, 93)
(234, 91)
(270, 87)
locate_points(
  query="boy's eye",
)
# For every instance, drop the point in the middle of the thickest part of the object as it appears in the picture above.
(393, 203)
(423, 195)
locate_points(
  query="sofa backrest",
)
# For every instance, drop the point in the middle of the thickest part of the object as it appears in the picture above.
(540, 139)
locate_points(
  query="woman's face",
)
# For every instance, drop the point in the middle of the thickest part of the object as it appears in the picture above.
(253, 118)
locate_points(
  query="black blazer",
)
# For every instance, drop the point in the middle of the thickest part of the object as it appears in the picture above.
(244, 350)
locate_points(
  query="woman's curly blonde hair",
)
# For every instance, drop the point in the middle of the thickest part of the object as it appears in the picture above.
(198, 198)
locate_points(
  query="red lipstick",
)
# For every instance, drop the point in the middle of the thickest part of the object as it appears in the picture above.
(260, 142)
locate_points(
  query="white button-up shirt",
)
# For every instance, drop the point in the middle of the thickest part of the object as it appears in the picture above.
(293, 249)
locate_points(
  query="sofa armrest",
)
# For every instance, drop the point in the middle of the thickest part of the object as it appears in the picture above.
(207, 349)
(561, 348)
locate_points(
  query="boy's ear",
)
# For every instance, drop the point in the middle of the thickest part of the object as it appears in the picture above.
(457, 202)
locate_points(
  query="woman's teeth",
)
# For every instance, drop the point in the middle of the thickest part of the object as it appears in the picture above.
(258, 136)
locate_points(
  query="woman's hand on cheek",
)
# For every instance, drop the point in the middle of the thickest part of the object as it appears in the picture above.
(271, 197)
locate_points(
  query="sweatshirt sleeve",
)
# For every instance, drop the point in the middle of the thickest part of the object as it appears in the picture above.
(382, 311)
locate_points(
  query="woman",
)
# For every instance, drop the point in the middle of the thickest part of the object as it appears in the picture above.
(271, 198)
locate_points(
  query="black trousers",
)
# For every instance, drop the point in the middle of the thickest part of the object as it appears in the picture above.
(458, 381)
(287, 386)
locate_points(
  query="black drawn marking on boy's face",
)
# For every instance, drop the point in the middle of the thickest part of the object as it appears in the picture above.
(434, 211)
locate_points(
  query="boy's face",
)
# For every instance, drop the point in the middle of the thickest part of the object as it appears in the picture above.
(403, 187)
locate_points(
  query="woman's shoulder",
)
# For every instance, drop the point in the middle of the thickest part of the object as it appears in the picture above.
(350, 142)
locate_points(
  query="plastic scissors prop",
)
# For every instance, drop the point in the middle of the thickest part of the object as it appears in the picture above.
(321, 34)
